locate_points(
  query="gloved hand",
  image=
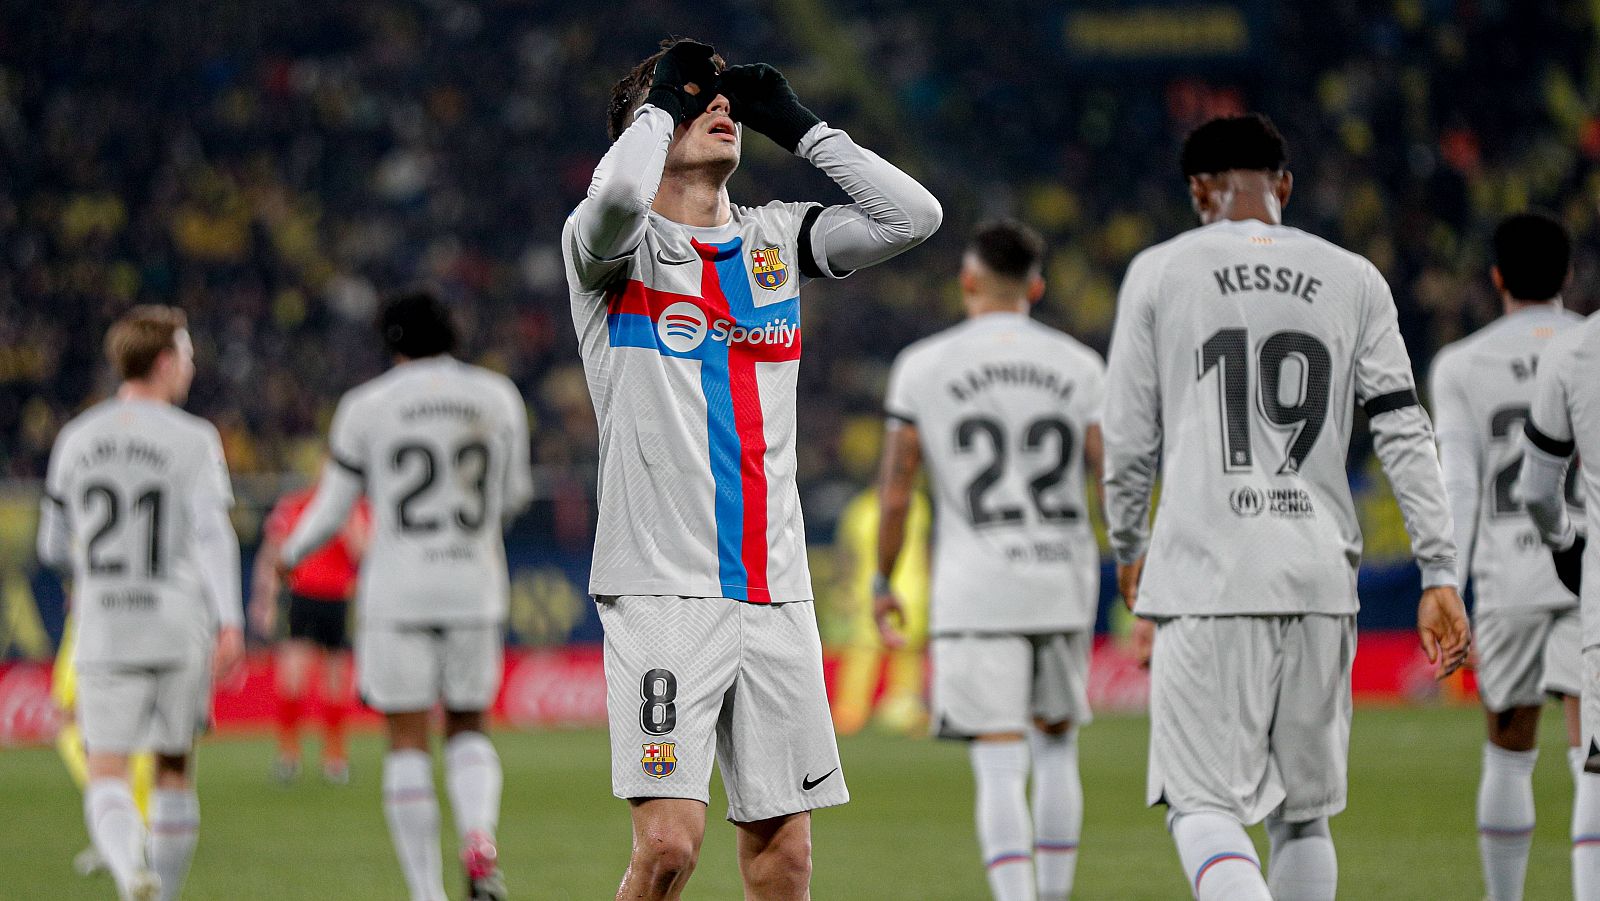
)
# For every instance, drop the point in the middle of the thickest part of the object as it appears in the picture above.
(1569, 564)
(684, 63)
(762, 99)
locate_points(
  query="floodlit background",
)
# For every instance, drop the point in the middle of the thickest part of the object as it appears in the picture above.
(276, 167)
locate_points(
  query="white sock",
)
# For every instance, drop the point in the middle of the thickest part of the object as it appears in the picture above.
(472, 776)
(1057, 812)
(1303, 866)
(1585, 830)
(1505, 820)
(413, 813)
(174, 831)
(115, 827)
(1218, 857)
(1000, 769)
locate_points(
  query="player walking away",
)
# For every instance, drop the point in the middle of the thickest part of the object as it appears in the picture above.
(1006, 411)
(1525, 621)
(440, 449)
(1565, 418)
(900, 708)
(320, 589)
(1240, 351)
(137, 498)
(688, 320)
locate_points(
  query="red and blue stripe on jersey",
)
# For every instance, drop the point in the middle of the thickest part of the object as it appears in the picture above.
(734, 421)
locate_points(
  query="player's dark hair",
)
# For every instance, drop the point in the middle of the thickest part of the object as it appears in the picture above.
(629, 93)
(1008, 248)
(137, 340)
(415, 325)
(1533, 253)
(1234, 142)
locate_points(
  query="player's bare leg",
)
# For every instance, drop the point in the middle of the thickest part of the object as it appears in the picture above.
(116, 828)
(174, 823)
(1505, 800)
(473, 779)
(294, 660)
(1005, 831)
(411, 806)
(775, 858)
(336, 702)
(666, 845)
(1057, 807)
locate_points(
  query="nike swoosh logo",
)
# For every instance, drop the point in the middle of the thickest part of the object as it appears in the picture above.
(664, 260)
(808, 783)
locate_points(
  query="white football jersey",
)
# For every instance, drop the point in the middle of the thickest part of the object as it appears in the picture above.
(1566, 417)
(691, 344)
(1240, 353)
(132, 478)
(442, 448)
(1481, 388)
(1001, 404)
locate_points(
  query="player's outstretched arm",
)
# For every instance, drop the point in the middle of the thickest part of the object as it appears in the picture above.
(897, 476)
(1402, 436)
(337, 493)
(1460, 456)
(216, 556)
(1131, 424)
(1547, 449)
(892, 212)
(610, 223)
(55, 538)
(54, 541)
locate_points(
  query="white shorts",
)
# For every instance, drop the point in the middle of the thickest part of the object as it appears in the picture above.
(1526, 655)
(987, 683)
(1251, 714)
(689, 678)
(1591, 708)
(163, 708)
(402, 668)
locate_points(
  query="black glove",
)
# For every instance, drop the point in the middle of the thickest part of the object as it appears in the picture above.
(684, 63)
(762, 99)
(1569, 564)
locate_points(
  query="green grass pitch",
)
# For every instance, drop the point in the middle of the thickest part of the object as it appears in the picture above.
(908, 834)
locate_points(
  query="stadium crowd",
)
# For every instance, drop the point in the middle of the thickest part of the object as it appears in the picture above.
(275, 167)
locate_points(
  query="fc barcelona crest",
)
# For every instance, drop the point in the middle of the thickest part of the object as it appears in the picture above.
(658, 761)
(769, 270)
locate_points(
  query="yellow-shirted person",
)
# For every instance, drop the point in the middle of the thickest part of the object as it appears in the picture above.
(901, 708)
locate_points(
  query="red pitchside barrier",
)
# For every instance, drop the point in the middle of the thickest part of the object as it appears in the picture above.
(565, 687)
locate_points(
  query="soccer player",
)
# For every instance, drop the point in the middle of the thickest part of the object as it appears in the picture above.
(137, 498)
(1006, 412)
(1240, 352)
(688, 320)
(1565, 418)
(320, 589)
(1525, 621)
(440, 449)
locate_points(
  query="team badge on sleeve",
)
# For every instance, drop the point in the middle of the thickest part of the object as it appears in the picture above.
(768, 268)
(658, 761)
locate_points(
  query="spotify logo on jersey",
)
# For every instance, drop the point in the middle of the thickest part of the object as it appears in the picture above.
(682, 327)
